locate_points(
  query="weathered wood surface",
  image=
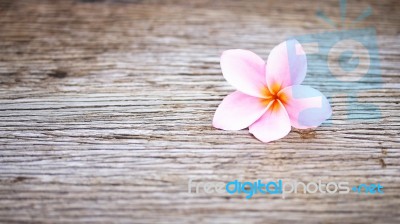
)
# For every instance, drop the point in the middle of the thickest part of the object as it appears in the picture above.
(106, 110)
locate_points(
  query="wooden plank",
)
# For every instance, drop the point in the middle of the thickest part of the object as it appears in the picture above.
(106, 110)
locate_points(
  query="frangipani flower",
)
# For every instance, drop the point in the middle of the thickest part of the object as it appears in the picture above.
(269, 98)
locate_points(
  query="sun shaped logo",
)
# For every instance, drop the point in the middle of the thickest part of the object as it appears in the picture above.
(346, 61)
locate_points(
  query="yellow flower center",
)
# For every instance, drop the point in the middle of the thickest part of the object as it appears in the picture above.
(273, 97)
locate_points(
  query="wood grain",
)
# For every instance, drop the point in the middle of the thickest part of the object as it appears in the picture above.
(106, 110)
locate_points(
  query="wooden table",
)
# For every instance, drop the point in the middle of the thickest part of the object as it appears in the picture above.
(106, 110)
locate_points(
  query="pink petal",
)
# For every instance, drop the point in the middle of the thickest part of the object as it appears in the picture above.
(286, 65)
(306, 106)
(273, 125)
(244, 70)
(238, 111)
